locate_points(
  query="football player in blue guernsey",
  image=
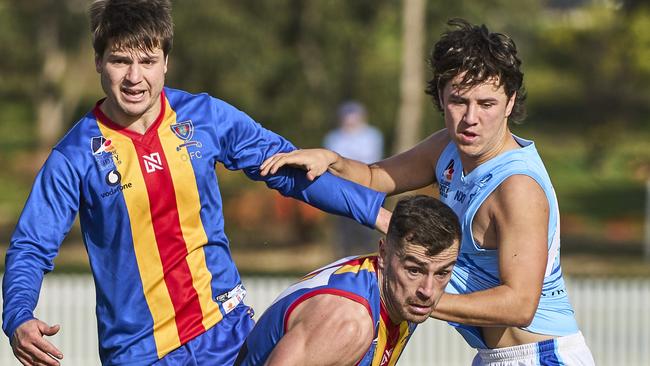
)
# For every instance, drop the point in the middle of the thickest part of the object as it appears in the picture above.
(362, 310)
(139, 168)
(507, 295)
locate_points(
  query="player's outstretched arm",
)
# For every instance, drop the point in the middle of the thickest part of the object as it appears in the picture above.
(407, 171)
(324, 330)
(31, 348)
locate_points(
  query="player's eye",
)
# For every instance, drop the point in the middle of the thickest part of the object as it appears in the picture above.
(413, 271)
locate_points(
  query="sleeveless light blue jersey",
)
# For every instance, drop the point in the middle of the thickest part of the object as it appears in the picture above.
(354, 278)
(478, 269)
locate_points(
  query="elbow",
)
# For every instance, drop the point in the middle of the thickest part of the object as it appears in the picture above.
(522, 320)
(524, 313)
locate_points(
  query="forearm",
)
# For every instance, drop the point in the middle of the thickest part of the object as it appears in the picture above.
(498, 306)
(21, 284)
(48, 215)
(28, 258)
(331, 194)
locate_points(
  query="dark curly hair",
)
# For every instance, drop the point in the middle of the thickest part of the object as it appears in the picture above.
(480, 55)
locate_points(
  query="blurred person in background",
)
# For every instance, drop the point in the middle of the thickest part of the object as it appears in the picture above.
(354, 139)
(139, 168)
(362, 310)
(507, 295)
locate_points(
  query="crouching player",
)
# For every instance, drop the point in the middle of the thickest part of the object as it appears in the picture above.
(363, 310)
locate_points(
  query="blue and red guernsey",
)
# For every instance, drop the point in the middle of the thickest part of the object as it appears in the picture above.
(354, 278)
(152, 222)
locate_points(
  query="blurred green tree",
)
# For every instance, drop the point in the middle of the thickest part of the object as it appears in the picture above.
(44, 82)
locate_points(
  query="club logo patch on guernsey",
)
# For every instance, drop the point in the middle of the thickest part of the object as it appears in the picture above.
(104, 152)
(100, 145)
(449, 171)
(185, 131)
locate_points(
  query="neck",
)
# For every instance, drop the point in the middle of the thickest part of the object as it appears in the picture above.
(505, 144)
(383, 290)
(136, 123)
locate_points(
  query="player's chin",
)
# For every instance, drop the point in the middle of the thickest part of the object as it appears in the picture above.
(417, 319)
(417, 314)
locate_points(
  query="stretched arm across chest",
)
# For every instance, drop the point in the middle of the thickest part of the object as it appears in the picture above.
(514, 221)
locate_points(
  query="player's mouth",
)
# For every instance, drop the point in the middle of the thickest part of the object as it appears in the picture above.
(132, 95)
(420, 309)
(467, 136)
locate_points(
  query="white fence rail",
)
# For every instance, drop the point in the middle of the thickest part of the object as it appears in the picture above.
(614, 315)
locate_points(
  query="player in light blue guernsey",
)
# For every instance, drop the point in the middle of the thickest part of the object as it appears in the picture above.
(507, 295)
(362, 310)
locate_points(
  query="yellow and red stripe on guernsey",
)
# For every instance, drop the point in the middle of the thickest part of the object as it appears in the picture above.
(167, 231)
(391, 339)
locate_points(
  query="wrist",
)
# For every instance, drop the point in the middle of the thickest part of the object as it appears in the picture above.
(383, 219)
(334, 160)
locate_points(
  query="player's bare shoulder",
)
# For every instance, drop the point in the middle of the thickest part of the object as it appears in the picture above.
(519, 191)
(518, 201)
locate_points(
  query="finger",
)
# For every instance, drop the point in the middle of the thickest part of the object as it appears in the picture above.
(277, 163)
(276, 166)
(265, 163)
(51, 362)
(49, 330)
(268, 161)
(38, 355)
(267, 166)
(23, 357)
(47, 347)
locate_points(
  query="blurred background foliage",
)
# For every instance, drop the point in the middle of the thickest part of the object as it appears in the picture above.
(289, 63)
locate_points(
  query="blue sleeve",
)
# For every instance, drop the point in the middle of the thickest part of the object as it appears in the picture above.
(247, 145)
(46, 219)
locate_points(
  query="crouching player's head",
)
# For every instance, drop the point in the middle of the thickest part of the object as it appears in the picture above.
(417, 256)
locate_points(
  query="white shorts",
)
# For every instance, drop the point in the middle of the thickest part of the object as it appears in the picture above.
(569, 350)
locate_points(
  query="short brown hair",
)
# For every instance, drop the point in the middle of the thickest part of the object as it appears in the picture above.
(481, 56)
(425, 221)
(132, 24)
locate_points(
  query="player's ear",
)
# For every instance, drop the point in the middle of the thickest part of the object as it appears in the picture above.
(511, 104)
(98, 63)
(382, 253)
